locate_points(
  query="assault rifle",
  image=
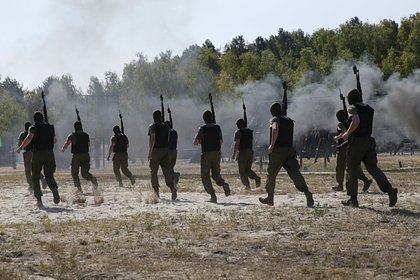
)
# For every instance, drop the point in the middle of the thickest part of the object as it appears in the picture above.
(212, 107)
(170, 117)
(45, 107)
(244, 108)
(344, 104)
(284, 105)
(359, 86)
(122, 123)
(162, 108)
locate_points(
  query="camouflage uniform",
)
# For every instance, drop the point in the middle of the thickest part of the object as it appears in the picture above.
(120, 158)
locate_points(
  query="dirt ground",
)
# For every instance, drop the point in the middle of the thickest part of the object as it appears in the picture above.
(126, 233)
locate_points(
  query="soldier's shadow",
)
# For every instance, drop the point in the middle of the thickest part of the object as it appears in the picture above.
(57, 210)
(396, 212)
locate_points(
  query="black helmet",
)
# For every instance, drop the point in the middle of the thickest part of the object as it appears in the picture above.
(27, 125)
(157, 116)
(240, 123)
(341, 115)
(78, 126)
(275, 109)
(207, 117)
(38, 117)
(354, 96)
(116, 129)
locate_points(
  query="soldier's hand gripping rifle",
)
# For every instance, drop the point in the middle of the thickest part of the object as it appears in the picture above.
(359, 86)
(170, 117)
(212, 107)
(284, 105)
(122, 123)
(344, 104)
(162, 108)
(244, 107)
(45, 107)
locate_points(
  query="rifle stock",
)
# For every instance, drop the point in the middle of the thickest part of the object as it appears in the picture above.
(284, 105)
(45, 107)
(212, 107)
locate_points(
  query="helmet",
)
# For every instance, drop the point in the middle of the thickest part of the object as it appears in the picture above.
(157, 116)
(78, 126)
(240, 123)
(354, 96)
(207, 117)
(275, 109)
(116, 129)
(341, 115)
(38, 117)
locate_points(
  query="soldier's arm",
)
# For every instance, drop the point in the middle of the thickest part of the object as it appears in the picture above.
(235, 148)
(111, 148)
(355, 121)
(274, 135)
(152, 141)
(25, 142)
(65, 146)
(197, 138)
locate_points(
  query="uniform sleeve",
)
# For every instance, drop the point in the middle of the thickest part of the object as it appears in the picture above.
(151, 130)
(237, 135)
(220, 133)
(199, 134)
(71, 138)
(113, 139)
(353, 111)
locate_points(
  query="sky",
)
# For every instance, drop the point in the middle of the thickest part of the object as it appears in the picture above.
(85, 38)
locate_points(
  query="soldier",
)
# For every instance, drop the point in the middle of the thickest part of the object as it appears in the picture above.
(80, 144)
(362, 148)
(243, 147)
(172, 152)
(159, 154)
(210, 137)
(119, 145)
(342, 126)
(282, 154)
(42, 136)
(27, 159)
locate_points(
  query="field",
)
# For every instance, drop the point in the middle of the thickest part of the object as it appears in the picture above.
(126, 233)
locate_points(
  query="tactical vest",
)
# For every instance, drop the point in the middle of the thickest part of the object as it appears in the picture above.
(365, 113)
(246, 139)
(121, 143)
(285, 136)
(211, 138)
(173, 139)
(82, 143)
(161, 135)
(43, 137)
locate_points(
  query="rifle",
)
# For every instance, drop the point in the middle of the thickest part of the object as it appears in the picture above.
(359, 86)
(77, 113)
(170, 117)
(244, 107)
(284, 105)
(212, 107)
(122, 124)
(45, 107)
(162, 108)
(344, 104)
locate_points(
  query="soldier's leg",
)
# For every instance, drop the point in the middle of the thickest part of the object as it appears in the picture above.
(49, 170)
(85, 170)
(205, 166)
(340, 168)
(168, 173)
(124, 166)
(355, 153)
(274, 165)
(36, 164)
(27, 163)
(172, 158)
(154, 167)
(250, 173)
(74, 168)
(242, 165)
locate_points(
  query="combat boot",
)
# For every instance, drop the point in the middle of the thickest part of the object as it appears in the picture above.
(226, 188)
(213, 198)
(156, 191)
(309, 199)
(174, 193)
(338, 188)
(39, 204)
(352, 202)
(269, 200)
(56, 196)
(366, 185)
(257, 182)
(393, 196)
(133, 180)
(94, 183)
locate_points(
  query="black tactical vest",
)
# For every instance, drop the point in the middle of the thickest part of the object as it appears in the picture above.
(173, 139)
(211, 138)
(285, 136)
(82, 143)
(161, 135)
(43, 137)
(365, 113)
(121, 143)
(246, 139)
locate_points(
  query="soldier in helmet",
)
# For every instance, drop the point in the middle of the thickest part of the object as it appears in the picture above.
(342, 126)
(42, 137)
(80, 143)
(243, 147)
(210, 137)
(119, 145)
(282, 154)
(362, 148)
(159, 154)
(27, 159)
(173, 143)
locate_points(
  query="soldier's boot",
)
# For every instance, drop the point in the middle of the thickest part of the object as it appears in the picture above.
(393, 196)
(120, 184)
(79, 188)
(39, 203)
(56, 195)
(309, 199)
(269, 200)
(174, 193)
(352, 202)
(213, 198)
(94, 183)
(133, 180)
(226, 188)
(366, 185)
(257, 182)
(338, 188)
(177, 175)
(247, 188)
(156, 191)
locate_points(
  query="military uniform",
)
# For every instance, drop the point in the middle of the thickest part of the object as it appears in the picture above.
(81, 159)
(160, 157)
(120, 158)
(246, 156)
(210, 136)
(342, 159)
(172, 153)
(362, 148)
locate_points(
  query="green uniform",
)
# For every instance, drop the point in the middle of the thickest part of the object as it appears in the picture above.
(246, 156)
(27, 162)
(172, 153)
(120, 158)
